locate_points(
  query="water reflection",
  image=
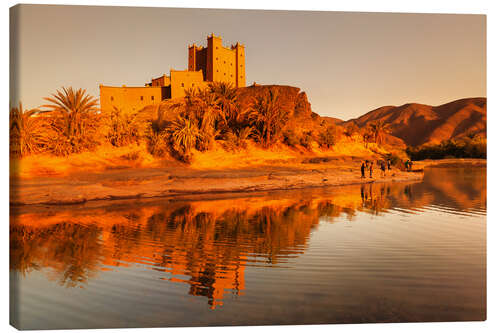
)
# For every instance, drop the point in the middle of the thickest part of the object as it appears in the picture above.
(207, 243)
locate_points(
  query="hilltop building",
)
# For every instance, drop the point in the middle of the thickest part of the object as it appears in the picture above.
(213, 63)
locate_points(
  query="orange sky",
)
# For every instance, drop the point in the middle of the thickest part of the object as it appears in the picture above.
(348, 63)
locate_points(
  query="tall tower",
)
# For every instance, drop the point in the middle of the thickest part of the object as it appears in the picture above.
(214, 49)
(214, 44)
(240, 65)
(192, 57)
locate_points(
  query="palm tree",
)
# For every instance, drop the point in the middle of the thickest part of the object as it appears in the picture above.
(209, 110)
(74, 114)
(379, 131)
(29, 133)
(226, 95)
(267, 115)
(183, 133)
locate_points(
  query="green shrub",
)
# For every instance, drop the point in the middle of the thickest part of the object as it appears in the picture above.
(462, 148)
(30, 133)
(235, 141)
(156, 141)
(121, 128)
(306, 140)
(328, 137)
(291, 138)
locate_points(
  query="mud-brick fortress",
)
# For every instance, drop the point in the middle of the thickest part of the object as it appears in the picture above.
(214, 63)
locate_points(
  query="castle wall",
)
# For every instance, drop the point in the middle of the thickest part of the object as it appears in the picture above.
(161, 81)
(197, 59)
(184, 80)
(227, 64)
(130, 99)
(205, 64)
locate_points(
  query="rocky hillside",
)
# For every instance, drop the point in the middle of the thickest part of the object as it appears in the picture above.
(418, 124)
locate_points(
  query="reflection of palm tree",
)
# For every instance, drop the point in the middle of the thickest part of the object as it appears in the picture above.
(72, 250)
(209, 245)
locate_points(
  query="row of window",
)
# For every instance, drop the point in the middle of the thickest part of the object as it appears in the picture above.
(142, 98)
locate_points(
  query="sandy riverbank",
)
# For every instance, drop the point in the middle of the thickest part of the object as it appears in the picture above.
(177, 180)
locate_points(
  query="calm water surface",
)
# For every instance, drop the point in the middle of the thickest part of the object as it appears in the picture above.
(373, 253)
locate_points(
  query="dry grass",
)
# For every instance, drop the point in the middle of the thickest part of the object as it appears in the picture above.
(105, 157)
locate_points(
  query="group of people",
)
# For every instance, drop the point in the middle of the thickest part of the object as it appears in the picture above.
(408, 165)
(368, 166)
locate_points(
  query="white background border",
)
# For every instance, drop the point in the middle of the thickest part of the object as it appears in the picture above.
(491, 8)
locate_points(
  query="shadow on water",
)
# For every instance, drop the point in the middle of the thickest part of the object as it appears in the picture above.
(209, 243)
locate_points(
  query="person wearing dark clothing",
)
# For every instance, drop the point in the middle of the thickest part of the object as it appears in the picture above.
(410, 163)
(407, 165)
(388, 165)
(382, 167)
(363, 170)
(371, 169)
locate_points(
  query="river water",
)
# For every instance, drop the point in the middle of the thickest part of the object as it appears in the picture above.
(392, 252)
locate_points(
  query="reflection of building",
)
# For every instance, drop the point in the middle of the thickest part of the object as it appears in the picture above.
(213, 63)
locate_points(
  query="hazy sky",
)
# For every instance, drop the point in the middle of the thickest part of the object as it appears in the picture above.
(347, 63)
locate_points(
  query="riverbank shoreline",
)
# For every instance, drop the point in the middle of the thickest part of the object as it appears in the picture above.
(175, 182)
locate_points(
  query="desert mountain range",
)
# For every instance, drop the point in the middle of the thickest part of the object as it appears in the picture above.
(418, 124)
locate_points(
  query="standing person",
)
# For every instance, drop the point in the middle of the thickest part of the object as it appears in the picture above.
(407, 165)
(389, 165)
(410, 163)
(371, 169)
(382, 167)
(363, 170)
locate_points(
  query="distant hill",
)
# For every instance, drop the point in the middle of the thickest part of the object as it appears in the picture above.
(418, 124)
(332, 120)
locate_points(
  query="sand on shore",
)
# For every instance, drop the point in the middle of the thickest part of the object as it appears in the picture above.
(165, 182)
(181, 180)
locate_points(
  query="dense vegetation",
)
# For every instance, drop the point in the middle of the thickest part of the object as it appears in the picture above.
(467, 147)
(72, 123)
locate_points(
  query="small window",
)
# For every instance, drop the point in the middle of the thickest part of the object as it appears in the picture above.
(152, 98)
(216, 47)
(142, 98)
(224, 61)
(192, 84)
(224, 74)
(112, 99)
(241, 76)
(216, 58)
(182, 84)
